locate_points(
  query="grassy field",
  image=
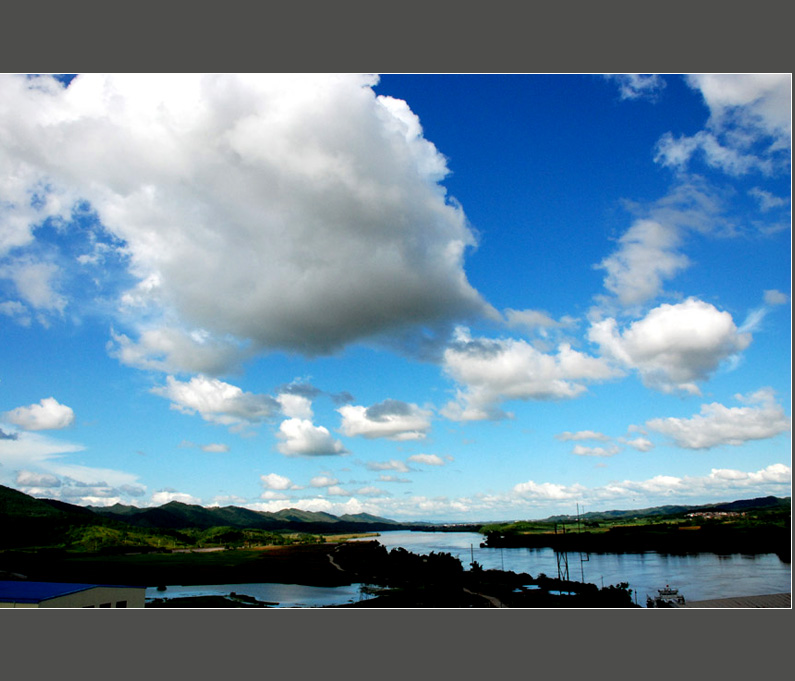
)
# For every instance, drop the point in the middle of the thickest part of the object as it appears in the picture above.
(297, 564)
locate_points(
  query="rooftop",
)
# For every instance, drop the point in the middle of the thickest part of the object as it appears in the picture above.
(35, 592)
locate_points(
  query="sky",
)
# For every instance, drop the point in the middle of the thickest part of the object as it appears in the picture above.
(427, 297)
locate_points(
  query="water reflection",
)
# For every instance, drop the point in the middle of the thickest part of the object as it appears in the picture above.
(275, 595)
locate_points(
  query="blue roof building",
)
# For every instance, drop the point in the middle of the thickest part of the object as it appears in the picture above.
(25, 594)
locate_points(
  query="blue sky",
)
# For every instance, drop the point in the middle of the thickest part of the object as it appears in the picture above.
(426, 297)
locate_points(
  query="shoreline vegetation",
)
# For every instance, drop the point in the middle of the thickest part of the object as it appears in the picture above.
(43, 540)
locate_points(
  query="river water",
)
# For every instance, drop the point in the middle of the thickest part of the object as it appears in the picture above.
(698, 577)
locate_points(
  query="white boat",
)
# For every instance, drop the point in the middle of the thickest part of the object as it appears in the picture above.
(665, 598)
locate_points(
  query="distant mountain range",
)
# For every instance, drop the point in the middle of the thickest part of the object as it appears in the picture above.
(176, 515)
(758, 503)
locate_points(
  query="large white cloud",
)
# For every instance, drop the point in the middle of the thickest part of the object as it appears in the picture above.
(492, 371)
(717, 424)
(391, 419)
(673, 346)
(288, 211)
(48, 414)
(217, 401)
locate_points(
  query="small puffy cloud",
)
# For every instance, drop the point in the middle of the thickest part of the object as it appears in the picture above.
(165, 496)
(391, 419)
(323, 481)
(717, 424)
(674, 346)
(640, 444)
(215, 448)
(749, 127)
(391, 465)
(392, 478)
(581, 450)
(582, 435)
(494, 371)
(773, 297)
(427, 459)
(274, 481)
(549, 490)
(217, 402)
(638, 85)
(300, 437)
(48, 414)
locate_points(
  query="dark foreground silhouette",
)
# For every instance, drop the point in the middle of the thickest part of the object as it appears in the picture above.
(391, 579)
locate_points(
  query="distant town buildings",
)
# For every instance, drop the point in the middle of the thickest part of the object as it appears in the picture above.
(714, 514)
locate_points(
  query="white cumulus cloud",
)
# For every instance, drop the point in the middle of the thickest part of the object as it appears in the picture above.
(391, 419)
(48, 414)
(717, 424)
(391, 465)
(217, 402)
(323, 481)
(300, 437)
(271, 211)
(640, 444)
(274, 481)
(673, 346)
(491, 371)
(166, 496)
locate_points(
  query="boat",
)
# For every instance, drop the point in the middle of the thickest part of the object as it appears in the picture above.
(665, 598)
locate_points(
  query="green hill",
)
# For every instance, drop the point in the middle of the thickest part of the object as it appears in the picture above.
(28, 522)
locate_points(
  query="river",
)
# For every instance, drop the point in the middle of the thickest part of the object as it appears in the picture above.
(698, 577)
